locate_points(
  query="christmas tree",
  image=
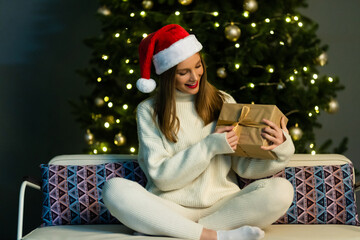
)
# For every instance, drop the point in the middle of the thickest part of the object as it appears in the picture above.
(263, 52)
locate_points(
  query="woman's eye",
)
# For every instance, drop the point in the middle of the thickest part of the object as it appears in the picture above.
(199, 66)
(182, 73)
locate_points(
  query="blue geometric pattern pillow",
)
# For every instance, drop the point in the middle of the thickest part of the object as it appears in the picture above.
(72, 194)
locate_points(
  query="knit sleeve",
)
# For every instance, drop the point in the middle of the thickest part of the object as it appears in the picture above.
(258, 168)
(173, 170)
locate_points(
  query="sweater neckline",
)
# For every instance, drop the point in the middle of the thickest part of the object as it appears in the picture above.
(184, 97)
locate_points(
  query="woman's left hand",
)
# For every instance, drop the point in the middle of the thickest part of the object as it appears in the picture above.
(273, 134)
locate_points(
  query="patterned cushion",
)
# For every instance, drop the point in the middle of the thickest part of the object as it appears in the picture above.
(323, 194)
(72, 194)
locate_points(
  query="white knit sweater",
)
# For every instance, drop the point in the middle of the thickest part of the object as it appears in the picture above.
(196, 171)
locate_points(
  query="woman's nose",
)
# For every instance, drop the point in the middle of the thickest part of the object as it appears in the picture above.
(194, 75)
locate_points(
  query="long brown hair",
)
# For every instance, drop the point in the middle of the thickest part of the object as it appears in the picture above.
(208, 102)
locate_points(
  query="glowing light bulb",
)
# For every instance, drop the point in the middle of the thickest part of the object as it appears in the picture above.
(310, 114)
(215, 14)
(300, 24)
(131, 71)
(95, 151)
(271, 70)
(330, 79)
(104, 149)
(106, 125)
(267, 20)
(305, 69)
(106, 98)
(251, 85)
(237, 65)
(125, 106)
(132, 149)
(246, 14)
(128, 40)
(177, 13)
(313, 152)
(312, 81)
(272, 32)
(292, 78)
(216, 24)
(282, 43)
(316, 108)
(99, 79)
(110, 104)
(109, 71)
(132, 14)
(237, 45)
(296, 18)
(295, 71)
(288, 19)
(144, 35)
(315, 76)
(128, 86)
(117, 35)
(253, 25)
(127, 61)
(311, 145)
(117, 120)
(105, 57)
(143, 13)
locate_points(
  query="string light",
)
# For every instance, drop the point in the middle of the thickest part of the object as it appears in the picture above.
(310, 114)
(288, 19)
(143, 13)
(292, 78)
(132, 14)
(106, 125)
(295, 71)
(330, 79)
(312, 81)
(105, 57)
(117, 120)
(110, 104)
(128, 86)
(106, 98)
(313, 152)
(296, 18)
(117, 35)
(317, 109)
(109, 71)
(132, 149)
(104, 149)
(177, 13)
(246, 14)
(311, 145)
(315, 76)
(300, 24)
(144, 35)
(282, 43)
(267, 20)
(128, 40)
(125, 106)
(95, 151)
(237, 45)
(127, 61)
(272, 32)
(251, 85)
(216, 24)
(237, 65)
(215, 14)
(99, 79)
(131, 71)
(253, 25)
(305, 69)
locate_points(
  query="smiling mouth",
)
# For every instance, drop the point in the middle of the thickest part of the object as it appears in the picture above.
(192, 85)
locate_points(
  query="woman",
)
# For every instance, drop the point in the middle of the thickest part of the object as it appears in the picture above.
(192, 191)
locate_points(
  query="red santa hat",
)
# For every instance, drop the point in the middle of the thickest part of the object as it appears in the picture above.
(166, 48)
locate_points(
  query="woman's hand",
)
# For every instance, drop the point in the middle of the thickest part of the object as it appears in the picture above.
(274, 134)
(230, 135)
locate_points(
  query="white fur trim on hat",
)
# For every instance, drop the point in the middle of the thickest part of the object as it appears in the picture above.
(145, 85)
(176, 53)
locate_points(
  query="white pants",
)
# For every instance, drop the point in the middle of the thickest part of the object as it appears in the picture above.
(259, 204)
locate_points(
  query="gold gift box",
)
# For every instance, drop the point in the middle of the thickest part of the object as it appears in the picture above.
(247, 119)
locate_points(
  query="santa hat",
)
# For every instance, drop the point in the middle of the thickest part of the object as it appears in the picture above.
(166, 47)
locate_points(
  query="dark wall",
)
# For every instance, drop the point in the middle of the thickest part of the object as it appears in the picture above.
(41, 46)
(40, 49)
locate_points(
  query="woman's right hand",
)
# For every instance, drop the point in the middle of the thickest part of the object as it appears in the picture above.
(230, 135)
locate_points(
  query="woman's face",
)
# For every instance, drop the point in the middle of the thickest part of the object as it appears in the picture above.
(188, 74)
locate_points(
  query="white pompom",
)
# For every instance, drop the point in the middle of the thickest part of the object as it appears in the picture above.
(145, 85)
